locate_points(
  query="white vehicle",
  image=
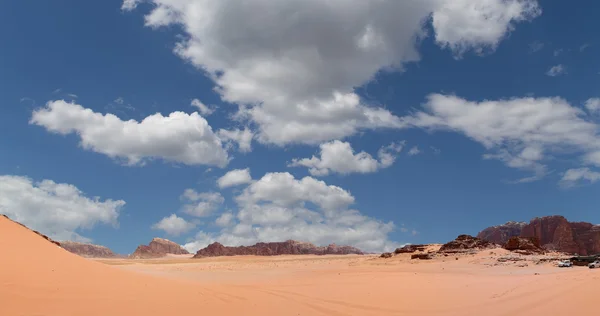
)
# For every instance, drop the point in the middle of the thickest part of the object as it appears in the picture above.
(565, 264)
(595, 264)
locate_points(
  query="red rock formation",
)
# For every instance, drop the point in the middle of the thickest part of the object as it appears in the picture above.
(410, 249)
(524, 245)
(502, 233)
(554, 233)
(465, 243)
(157, 248)
(88, 250)
(289, 247)
(421, 256)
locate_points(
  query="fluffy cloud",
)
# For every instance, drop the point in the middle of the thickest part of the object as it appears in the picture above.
(339, 157)
(242, 137)
(234, 178)
(520, 131)
(58, 210)
(572, 176)
(295, 77)
(593, 105)
(203, 108)
(592, 158)
(174, 225)
(224, 220)
(279, 207)
(414, 151)
(201, 204)
(478, 24)
(556, 71)
(179, 137)
(129, 5)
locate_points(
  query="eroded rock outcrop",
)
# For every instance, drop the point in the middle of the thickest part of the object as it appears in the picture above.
(87, 250)
(524, 245)
(157, 248)
(289, 247)
(421, 256)
(465, 243)
(554, 233)
(410, 249)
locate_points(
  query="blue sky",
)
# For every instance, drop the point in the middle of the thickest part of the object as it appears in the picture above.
(478, 98)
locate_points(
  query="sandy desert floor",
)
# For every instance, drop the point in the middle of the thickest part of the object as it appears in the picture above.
(39, 278)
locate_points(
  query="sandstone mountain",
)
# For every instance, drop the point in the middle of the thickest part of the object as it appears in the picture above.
(502, 233)
(87, 250)
(289, 247)
(157, 248)
(553, 232)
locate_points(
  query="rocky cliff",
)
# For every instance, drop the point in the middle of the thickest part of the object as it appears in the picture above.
(289, 247)
(157, 248)
(502, 233)
(553, 232)
(87, 250)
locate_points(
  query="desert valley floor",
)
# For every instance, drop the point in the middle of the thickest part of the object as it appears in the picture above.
(40, 278)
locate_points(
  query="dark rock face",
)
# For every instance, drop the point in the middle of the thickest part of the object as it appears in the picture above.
(502, 233)
(88, 250)
(157, 248)
(410, 249)
(289, 247)
(386, 255)
(464, 243)
(554, 233)
(421, 256)
(524, 245)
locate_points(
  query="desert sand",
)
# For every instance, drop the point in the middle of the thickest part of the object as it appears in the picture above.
(40, 278)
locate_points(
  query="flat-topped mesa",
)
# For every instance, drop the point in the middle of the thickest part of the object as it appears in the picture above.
(466, 243)
(87, 250)
(555, 233)
(158, 247)
(289, 247)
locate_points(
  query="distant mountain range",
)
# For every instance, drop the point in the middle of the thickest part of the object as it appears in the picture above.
(554, 233)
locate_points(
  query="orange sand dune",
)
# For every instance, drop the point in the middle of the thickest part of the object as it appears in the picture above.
(39, 278)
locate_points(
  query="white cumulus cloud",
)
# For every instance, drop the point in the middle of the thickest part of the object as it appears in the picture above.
(294, 78)
(243, 138)
(203, 108)
(279, 207)
(58, 210)
(179, 137)
(225, 219)
(201, 204)
(573, 176)
(339, 157)
(414, 151)
(174, 225)
(521, 132)
(234, 178)
(593, 105)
